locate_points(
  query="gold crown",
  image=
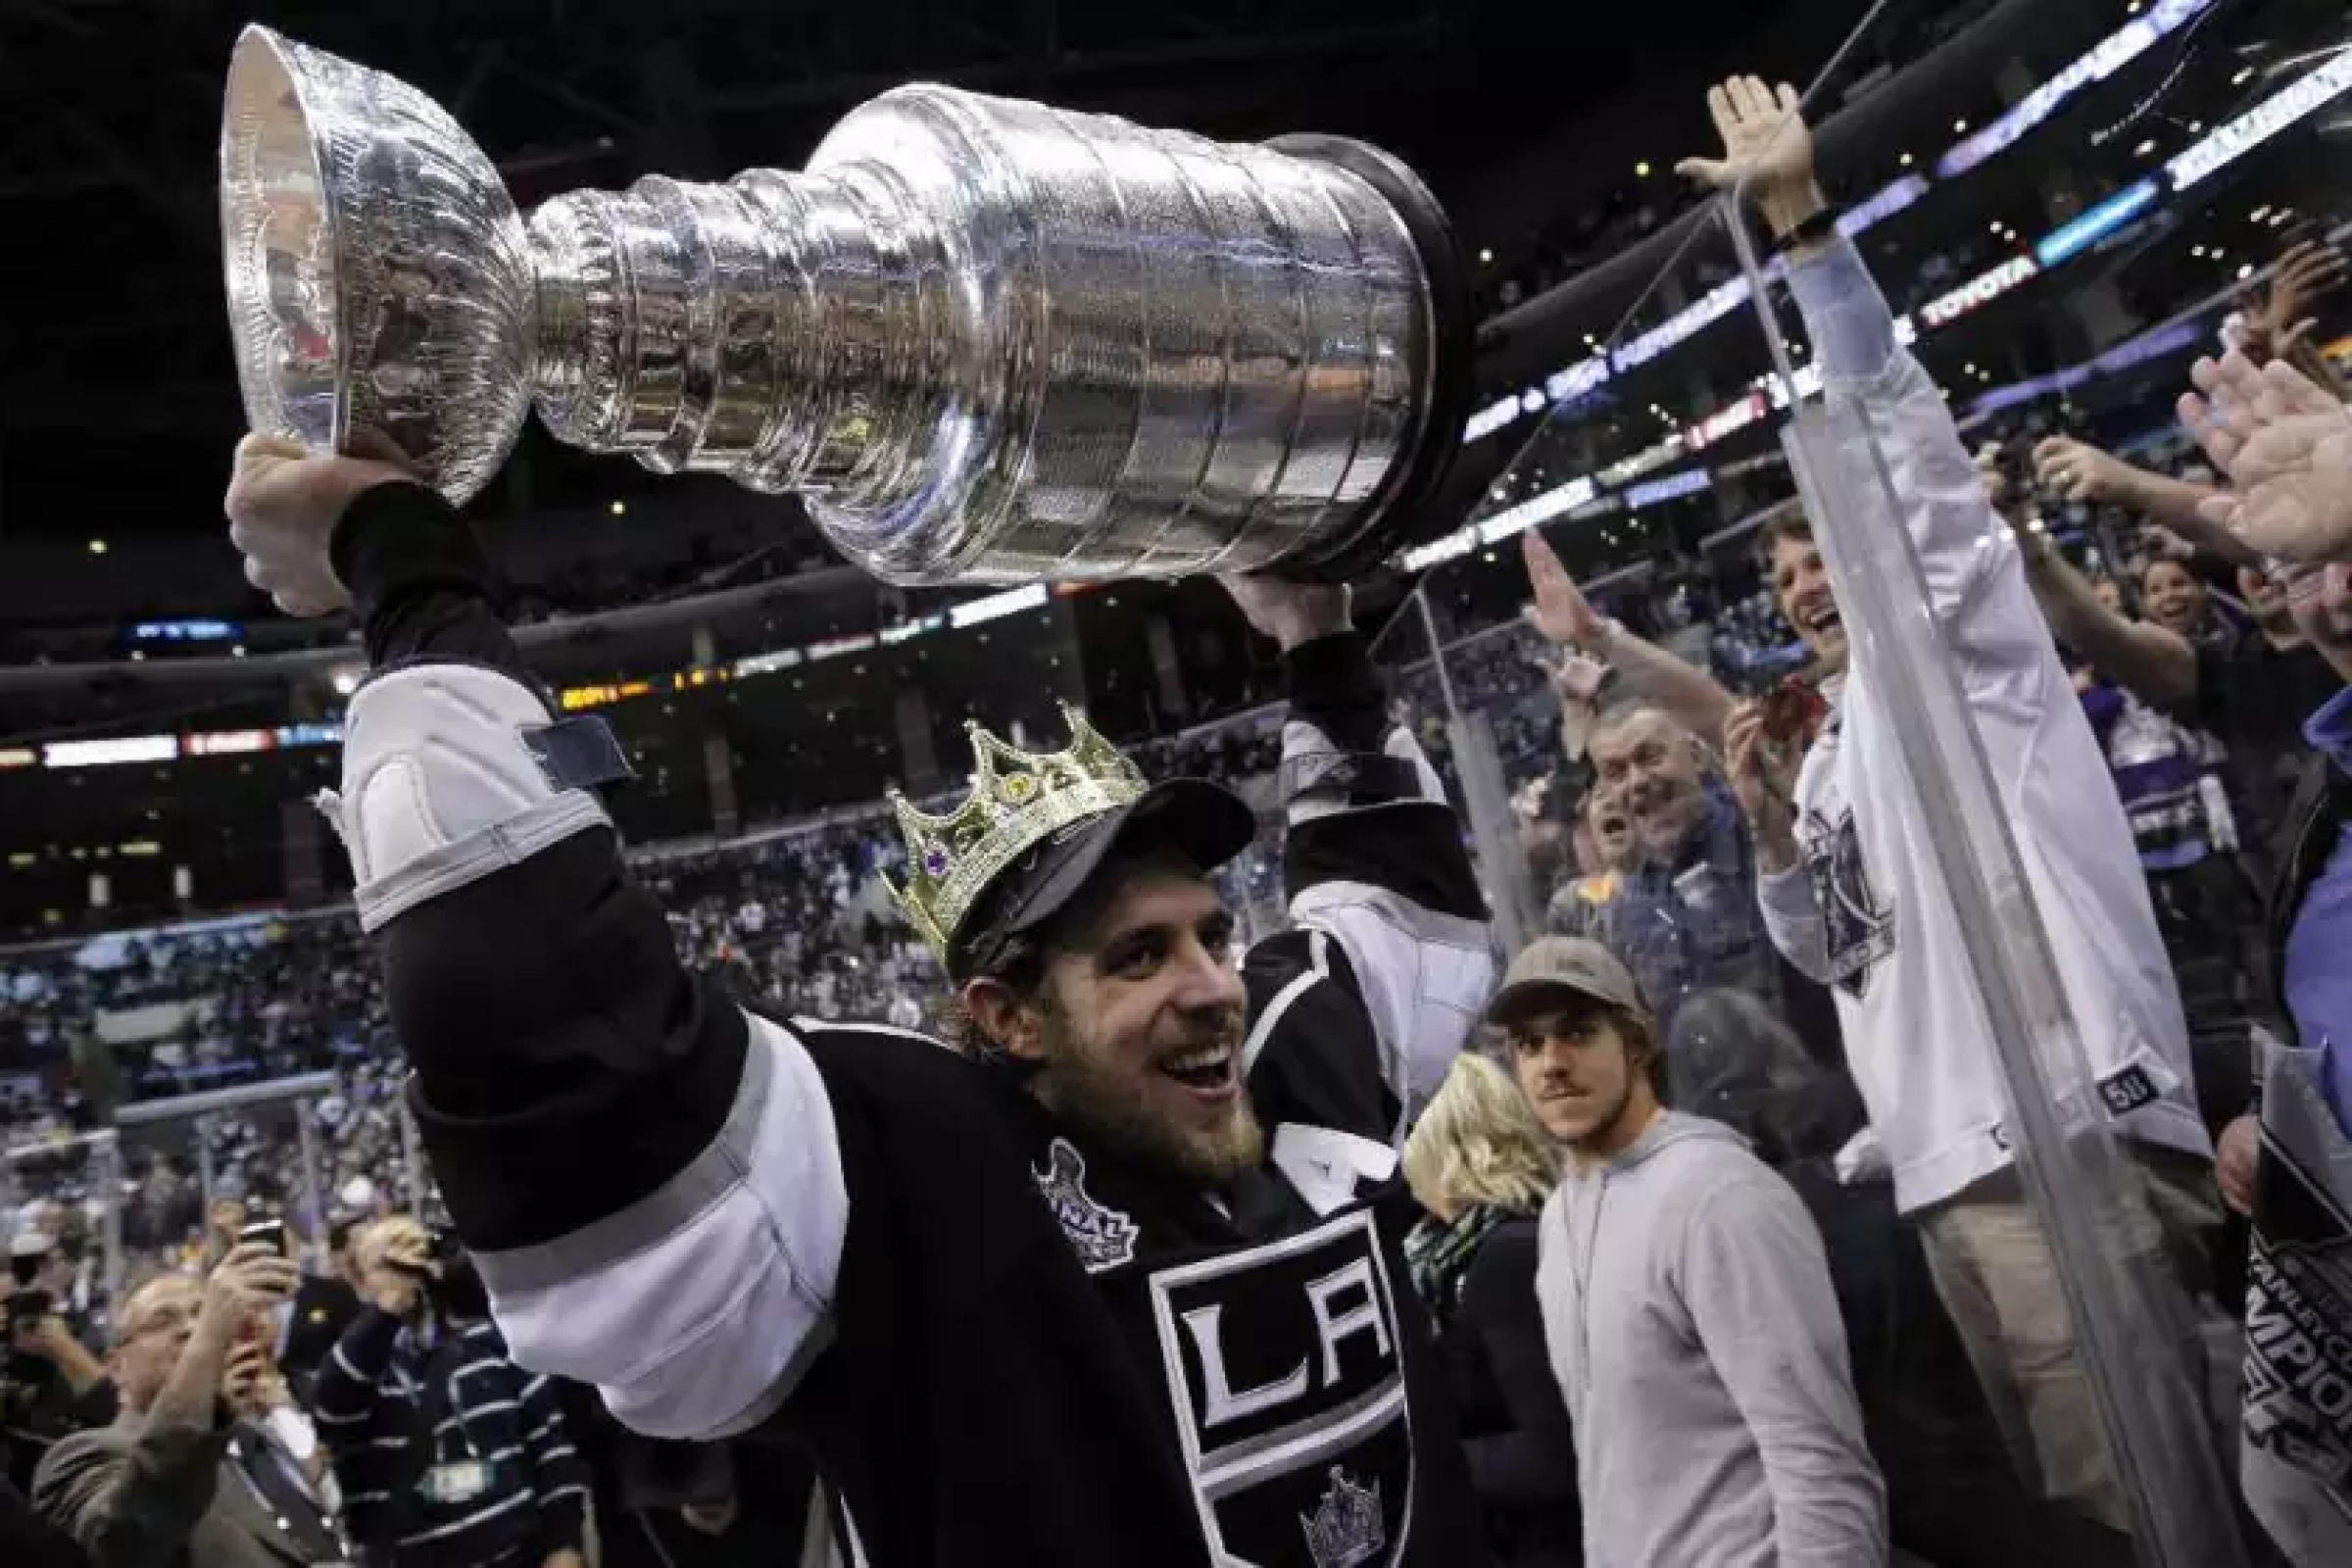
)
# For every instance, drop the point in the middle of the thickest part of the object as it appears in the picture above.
(1018, 798)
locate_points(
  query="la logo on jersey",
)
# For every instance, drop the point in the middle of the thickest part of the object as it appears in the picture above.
(1857, 927)
(1287, 1370)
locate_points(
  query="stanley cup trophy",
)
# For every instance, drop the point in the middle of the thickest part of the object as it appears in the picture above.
(986, 341)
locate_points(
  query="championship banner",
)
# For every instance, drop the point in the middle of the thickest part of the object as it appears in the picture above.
(2296, 1462)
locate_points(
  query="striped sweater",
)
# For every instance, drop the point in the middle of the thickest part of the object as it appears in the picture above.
(391, 1403)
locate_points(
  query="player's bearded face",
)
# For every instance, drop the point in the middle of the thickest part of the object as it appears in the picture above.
(1140, 1030)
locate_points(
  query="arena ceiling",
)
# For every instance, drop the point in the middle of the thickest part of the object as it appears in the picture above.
(117, 399)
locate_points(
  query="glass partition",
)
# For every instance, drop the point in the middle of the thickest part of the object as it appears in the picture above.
(2034, 981)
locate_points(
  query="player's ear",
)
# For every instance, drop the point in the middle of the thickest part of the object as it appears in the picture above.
(1008, 1020)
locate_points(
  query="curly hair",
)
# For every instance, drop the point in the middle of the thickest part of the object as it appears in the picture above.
(1018, 964)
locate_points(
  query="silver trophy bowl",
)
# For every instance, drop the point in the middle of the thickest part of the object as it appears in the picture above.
(986, 341)
(380, 285)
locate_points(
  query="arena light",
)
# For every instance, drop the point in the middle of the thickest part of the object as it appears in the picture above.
(298, 735)
(766, 663)
(1452, 547)
(1808, 383)
(1555, 502)
(1880, 205)
(1732, 416)
(1584, 376)
(1491, 419)
(227, 742)
(2110, 55)
(12, 758)
(1646, 460)
(2303, 97)
(856, 643)
(185, 631)
(576, 699)
(114, 751)
(996, 606)
(1716, 304)
(2147, 346)
(1977, 291)
(2090, 228)
(1673, 487)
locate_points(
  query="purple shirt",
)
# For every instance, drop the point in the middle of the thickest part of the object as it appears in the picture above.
(2319, 949)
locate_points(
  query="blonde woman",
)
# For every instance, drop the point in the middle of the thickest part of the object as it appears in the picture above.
(1482, 1165)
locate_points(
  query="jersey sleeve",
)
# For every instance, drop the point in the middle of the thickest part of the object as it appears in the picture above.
(1793, 919)
(648, 1179)
(1357, 1010)
(1974, 573)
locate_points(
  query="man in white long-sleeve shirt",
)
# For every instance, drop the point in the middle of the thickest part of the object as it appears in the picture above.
(1851, 884)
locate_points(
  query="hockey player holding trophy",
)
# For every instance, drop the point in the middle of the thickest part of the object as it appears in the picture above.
(1113, 1277)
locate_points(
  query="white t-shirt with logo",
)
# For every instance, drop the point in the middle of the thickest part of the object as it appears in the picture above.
(1868, 912)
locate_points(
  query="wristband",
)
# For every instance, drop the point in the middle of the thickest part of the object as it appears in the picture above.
(1818, 228)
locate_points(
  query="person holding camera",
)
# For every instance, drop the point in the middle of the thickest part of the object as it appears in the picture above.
(188, 1474)
(448, 1456)
(50, 1383)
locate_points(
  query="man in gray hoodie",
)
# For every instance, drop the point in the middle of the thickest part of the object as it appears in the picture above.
(1686, 1303)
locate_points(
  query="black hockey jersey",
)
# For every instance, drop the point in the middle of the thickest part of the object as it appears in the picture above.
(998, 1343)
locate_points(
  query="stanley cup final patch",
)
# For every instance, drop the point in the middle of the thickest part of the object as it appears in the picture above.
(1103, 1237)
(2296, 1462)
(1286, 1366)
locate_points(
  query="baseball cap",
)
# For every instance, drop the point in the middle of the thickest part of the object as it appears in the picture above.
(1206, 823)
(1575, 964)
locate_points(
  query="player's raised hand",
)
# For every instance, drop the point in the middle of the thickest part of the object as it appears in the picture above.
(284, 502)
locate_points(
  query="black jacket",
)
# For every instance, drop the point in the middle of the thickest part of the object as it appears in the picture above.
(323, 1308)
(1516, 1427)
